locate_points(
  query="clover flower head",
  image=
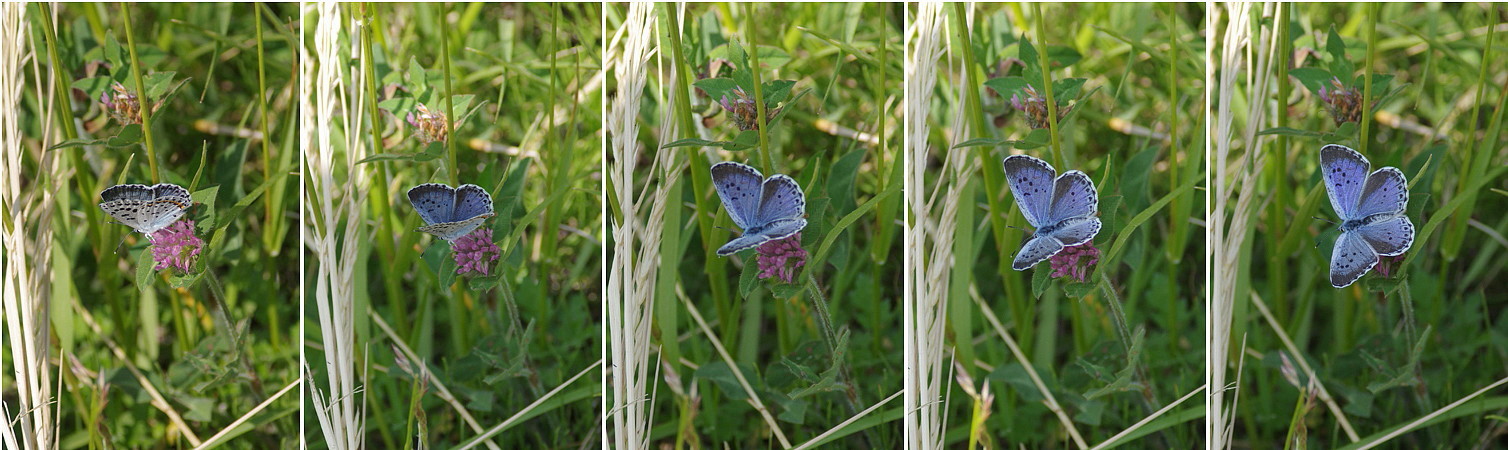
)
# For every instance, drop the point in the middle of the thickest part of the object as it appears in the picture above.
(781, 258)
(1343, 103)
(475, 252)
(175, 246)
(1074, 262)
(430, 125)
(744, 112)
(1035, 107)
(122, 105)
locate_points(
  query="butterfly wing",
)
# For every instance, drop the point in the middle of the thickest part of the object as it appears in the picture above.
(1038, 248)
(781, 199)
(1076, 231)
(1032, 183)
(435, 202)
(450, 231)
(1386, 192)
(1345, 173)
(1351, 258)
(1073, 196)
(169, 190)
(127, 192)
(739, 186)
(1387, 235)
(472, 201)
(779, 229)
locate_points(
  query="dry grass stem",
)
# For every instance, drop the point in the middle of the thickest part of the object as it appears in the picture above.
(928, 243)
(1427, 417)
(1303, 363)
(158, 401)
(441, 391)
(332, 229)
(26, 233)
(636, 236)
(1144, 421)
(214, 441)
(518, 415)
(748, 389)
(845, 423)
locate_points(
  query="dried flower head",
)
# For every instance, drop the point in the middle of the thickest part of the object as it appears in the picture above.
(475, 252)
(1074, 262)
(1343, 103)
(122, 105)
(744, 112)
(430, 125)
(1035, 107)
(175, 246)
(780, 258)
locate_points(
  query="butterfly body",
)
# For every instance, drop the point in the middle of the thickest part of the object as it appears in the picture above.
(146, 209)
(766, 209)
(450, 213)
(1371, 207)
(1060, 208)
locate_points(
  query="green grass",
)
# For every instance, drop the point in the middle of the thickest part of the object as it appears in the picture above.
(1389, 350)
(526, 127)
(1123, 344)
(845, 62)
(203, 69)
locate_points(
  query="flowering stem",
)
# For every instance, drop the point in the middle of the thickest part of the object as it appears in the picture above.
(141, 93)
(830, 334)
(1366, 90)
(450, 106)
(764, 144)
(1052, 105)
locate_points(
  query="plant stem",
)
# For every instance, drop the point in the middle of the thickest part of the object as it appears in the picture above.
(764, 142)
(141, 93)
(1366, 90)
(450, 107)
(272, 221)
(1052, 105)
(830, 335)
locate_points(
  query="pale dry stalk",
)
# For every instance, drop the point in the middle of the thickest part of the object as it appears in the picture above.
(336, 187)
(928, 241)
(636, 236)
(26, 234)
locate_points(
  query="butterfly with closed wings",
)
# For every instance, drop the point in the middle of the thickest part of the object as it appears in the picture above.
(146, 209)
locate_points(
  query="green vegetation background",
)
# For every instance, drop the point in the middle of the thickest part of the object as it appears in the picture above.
(1135, 127)
(201, 63)
(846, 62)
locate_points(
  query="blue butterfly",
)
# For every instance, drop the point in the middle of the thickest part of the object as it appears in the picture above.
(451, 213)
(1370, 207)
(1061, 208)
(146, 209)
(765, 209)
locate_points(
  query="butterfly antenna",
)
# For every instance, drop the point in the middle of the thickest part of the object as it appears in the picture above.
(1322, 218)
(730, 230)
(119, 244)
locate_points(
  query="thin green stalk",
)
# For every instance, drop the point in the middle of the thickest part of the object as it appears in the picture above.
(1297, 419)
(764, 140)
(1277, 175)
(273, 221)
(830, 335)
(141, 93)
(386, 248)
(1366, 93)
(1478, 158)
(450, 107)
(960, 311)
(1052, 105)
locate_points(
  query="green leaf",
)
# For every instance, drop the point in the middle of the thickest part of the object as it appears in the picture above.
(769, 55)
(747, 281)
(93, 87)
(1061, 56)
(1339, 65)
(1015, 375)
(1073, 290)
(717, 88)
(144, 270)
(437, 258)
(207, 198)
(417, 78)
(984, 142)
(1066, 88)
(775, 91)
(399, 106)
(158, 83)
(129, 135)
(840, 183)
(1040, 282)
(1037, 138)
(719, 373)
(1312, 78)
(1006, 86)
